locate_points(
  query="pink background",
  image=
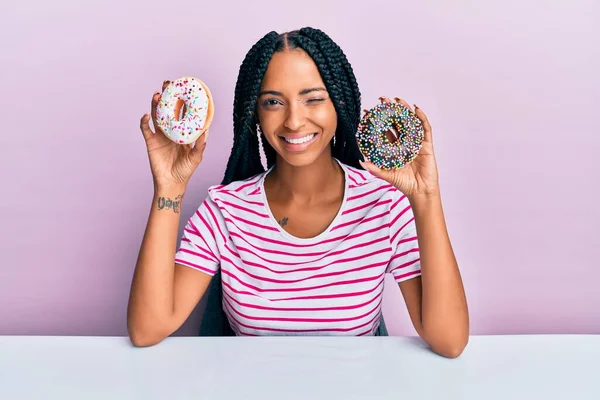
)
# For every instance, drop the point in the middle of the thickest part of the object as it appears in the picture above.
(511, 89)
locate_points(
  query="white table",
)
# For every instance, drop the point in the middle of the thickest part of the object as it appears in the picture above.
(307, 368)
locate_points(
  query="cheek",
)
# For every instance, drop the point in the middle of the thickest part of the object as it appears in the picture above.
(269, 123)
(326, 118)
(268, 126)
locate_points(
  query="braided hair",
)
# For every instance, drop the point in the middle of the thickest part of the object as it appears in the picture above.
(245, 161)
(336, 72)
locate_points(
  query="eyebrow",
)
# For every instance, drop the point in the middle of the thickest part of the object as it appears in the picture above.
(301, 93)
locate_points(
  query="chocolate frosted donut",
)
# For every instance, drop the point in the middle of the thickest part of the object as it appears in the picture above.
(374, 143)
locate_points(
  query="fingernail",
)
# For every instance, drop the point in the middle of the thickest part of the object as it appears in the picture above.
(415, 106)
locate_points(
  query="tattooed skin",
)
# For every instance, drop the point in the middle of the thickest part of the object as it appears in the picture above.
(165, 203)
(283, 222)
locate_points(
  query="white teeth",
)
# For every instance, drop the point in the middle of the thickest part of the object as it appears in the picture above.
(300, 140)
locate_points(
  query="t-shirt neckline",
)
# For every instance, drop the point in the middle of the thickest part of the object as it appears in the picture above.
(288, 235)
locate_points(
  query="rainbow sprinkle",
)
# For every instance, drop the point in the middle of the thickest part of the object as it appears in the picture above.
(190, 126)
(374, 144)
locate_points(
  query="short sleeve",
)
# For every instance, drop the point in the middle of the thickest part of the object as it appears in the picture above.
(198, 247)
(405, 262)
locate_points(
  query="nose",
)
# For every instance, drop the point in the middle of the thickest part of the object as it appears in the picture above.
(295, 118)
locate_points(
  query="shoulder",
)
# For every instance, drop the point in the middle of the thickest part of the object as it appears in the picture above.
(246, 187)
(237, 197)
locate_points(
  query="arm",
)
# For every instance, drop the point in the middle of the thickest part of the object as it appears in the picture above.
(436, 300)
(163, 294)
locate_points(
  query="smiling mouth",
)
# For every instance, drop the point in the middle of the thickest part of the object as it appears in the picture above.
(302, 140)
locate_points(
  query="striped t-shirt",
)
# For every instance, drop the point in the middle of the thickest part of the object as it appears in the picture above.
(277, 284)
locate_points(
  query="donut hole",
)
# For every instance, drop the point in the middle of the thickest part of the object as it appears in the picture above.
(391, 135)
(180, 109)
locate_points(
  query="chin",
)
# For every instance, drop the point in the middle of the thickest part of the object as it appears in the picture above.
(299, 159)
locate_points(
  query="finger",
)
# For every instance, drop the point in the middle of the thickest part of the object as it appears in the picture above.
(145, 126)
(384, 99)
(154, 104)
(201, 139)
(198, 150)
(155, 100)
(403, 102)
(384, 174)
(426, 126)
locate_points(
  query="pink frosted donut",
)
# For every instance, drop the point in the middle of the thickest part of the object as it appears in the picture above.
(185, 110)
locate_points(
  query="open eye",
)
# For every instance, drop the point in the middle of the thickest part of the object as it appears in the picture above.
(270, 103)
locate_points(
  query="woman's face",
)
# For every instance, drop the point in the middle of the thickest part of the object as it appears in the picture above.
(295, 112)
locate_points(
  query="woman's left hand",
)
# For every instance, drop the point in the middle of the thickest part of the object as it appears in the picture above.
(419, 177)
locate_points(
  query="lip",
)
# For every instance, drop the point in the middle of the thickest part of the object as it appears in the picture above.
(298, 147)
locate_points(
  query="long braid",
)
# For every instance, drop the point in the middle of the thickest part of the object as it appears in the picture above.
(244, 160)
(333, 87)
(342, 70)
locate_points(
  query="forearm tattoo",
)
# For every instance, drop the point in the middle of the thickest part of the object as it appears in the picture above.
(165, 203)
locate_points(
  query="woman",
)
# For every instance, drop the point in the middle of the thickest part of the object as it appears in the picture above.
(302, 248)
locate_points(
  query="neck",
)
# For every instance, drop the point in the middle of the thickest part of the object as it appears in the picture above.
(307, 184)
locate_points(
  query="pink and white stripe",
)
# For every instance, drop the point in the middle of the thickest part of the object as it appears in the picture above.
(278, 284)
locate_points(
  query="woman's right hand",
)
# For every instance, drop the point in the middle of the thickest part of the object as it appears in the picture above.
(172, 164)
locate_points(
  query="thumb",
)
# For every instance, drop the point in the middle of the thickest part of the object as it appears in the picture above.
(384, 174)
(198, 150)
